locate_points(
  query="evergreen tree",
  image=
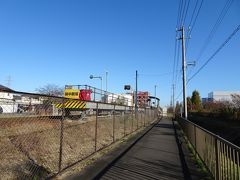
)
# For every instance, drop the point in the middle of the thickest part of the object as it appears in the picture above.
(196, 100)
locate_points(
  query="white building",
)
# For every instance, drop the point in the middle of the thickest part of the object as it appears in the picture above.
(11, 102)
(222, 95)
(164, 111)
(7, 103)
(125, 99)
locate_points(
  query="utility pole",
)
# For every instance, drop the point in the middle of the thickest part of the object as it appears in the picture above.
(184, 73)
(136, 107)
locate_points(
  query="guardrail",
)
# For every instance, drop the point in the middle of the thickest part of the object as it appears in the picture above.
(221, 157)
(42, 140)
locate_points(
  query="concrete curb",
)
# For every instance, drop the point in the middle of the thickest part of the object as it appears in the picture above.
(100, 166)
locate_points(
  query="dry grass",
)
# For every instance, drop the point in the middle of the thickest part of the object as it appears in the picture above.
(29, 147)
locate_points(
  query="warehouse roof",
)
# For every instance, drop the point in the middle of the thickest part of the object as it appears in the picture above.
(4, 88)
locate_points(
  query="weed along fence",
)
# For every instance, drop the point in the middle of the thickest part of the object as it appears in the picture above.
(40, 136)
(221, 157)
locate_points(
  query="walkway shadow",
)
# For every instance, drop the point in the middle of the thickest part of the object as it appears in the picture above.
(142, 169)
(169, 126)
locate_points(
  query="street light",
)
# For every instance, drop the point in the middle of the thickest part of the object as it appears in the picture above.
(97, 77)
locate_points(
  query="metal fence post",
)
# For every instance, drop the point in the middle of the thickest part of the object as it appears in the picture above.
(195, 140)
(94, 94)
(114, 123)
(61, 137)
(216, 159)
(124, 122)
(148, 116)
(144, 117)
(136, 117)
(132, 121)
(96, 127)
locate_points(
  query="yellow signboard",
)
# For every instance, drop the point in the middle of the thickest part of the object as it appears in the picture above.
(71, 93)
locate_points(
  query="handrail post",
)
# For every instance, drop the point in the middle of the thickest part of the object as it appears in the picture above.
(144, 116)
(96, 126)
(132, 120)
(195, 140)
(124, 122)
(216, 158)
(136, 117)
(114, 122)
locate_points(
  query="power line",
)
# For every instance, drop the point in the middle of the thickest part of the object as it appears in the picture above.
(179, 13)
(216, 52)
(195, 19)
(186, 12)
(194, 10)
(178, 96)
(163, 74)
(191, 25)
(215, 27)
(213, 30)
(174, 60)
(182, 12)
(175, 40)
(178, 59)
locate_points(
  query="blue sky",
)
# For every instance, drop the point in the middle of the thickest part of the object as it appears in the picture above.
(63, 42)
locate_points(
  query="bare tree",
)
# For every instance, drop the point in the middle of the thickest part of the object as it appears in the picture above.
(236, 100)
(50, 89)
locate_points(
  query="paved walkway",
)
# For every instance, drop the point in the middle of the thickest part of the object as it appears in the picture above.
(155, 156)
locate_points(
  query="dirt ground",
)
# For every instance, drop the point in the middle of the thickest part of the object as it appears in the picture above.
(30, 146)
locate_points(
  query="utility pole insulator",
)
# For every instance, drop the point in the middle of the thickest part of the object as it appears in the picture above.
(193, 63)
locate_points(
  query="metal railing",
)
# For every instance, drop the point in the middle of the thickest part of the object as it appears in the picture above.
(39, 140)
(219, 155)
(104, 96)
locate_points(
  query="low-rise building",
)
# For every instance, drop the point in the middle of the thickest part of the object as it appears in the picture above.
(221, 95)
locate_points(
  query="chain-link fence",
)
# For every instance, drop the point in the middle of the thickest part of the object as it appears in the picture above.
(41, 135)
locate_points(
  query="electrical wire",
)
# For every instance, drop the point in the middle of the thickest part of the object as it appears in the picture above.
(195, 19)
(178, 96)
(163, 74)
(182, 12)
(179, 13)
(186, 12)
(174, 60)
(194, 10)
(178, 59)
(215, 53)
(191, 25)
(175, 39)
(213, 31)
(215, 27)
